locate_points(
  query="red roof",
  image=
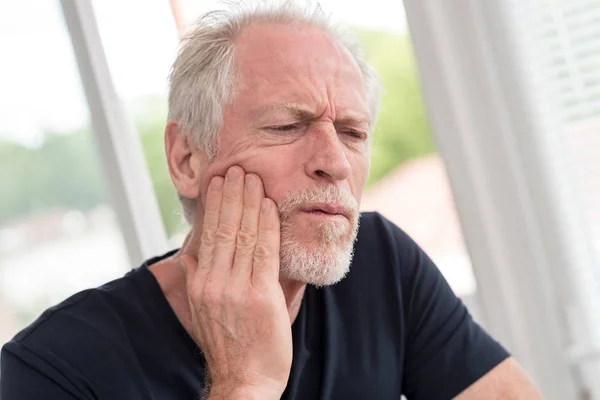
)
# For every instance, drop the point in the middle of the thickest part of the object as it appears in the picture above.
(417, 197)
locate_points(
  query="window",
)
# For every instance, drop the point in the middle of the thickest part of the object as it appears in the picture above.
(58, 232)
(140, 41)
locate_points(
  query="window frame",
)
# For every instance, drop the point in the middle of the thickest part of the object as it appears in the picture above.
(484, 124)
(122, 158)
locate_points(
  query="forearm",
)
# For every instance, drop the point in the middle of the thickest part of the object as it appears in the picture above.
(507, 381)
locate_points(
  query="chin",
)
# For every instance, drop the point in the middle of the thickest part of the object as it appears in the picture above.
(319, 232)
(318, 254)
(318, 229)
(314, 267)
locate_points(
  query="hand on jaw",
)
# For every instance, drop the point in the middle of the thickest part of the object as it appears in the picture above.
(238, 309)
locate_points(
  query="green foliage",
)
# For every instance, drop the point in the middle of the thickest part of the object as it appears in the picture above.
(65, 171)
(402, 131)
(151, 126)
(62, 173)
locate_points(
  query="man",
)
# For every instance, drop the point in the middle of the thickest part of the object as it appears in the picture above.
(270, 119)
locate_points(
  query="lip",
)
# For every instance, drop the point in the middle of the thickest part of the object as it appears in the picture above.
(330, 209)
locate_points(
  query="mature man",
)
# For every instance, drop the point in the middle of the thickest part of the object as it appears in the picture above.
(270, 121)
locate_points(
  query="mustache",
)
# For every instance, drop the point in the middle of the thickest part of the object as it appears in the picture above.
(332, 195)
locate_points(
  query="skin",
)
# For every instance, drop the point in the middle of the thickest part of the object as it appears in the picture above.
(299, 121)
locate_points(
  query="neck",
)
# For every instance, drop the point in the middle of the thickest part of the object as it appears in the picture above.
(293, 292)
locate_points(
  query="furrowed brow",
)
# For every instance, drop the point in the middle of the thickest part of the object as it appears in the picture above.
(294, 110)
(354, 119)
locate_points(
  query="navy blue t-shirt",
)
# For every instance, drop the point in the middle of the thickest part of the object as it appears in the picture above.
(391, 327)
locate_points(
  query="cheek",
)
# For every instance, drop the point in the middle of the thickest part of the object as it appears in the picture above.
(365, 165)
(274, 166)
(360, 164)
(276, 169)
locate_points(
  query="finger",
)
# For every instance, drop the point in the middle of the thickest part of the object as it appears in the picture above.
(265, 267)
(214, 198)
(212, 210)
(229, 219)
(248, 233)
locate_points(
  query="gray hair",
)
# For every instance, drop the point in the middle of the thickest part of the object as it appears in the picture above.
(203, 77)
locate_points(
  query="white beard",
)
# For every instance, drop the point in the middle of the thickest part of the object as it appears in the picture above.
(327, 260)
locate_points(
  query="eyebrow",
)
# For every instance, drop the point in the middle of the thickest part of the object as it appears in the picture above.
(304, 113)
(296, 110)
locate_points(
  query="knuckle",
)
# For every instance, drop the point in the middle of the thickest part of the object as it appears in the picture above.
(208, 237)
(231, 198)
(226, 233)
(211, 214)
(262, 252)
(246, 240)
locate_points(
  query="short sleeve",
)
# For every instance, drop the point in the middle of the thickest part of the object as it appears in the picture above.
(19, 379)
(446, 350)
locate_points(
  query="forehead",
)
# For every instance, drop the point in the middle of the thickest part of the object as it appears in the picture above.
(296, 63)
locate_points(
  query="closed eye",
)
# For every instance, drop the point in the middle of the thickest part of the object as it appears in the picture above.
(355, 134)
(286, 128)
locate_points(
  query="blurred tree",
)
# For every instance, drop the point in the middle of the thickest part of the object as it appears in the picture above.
(402, 130)
(150, 115)
(64, 171)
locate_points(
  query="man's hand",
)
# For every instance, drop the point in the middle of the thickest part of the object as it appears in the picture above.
(239, 315)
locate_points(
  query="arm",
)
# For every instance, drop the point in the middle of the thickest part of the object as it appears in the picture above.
(507, 381)
(448, 355)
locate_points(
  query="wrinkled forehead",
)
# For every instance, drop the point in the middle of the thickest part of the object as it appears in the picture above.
(271, 54)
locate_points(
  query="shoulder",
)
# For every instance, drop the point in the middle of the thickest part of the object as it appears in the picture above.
(373, 222)
(120, 340)
(382, 270)
(82, 312)
(383, 245)
(80, 333)
(377, 232)
(393, 268)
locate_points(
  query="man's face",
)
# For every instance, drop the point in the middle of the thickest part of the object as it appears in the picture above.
(300, 121)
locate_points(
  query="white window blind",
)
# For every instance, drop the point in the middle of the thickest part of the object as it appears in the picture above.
(510, 90)
(560, 48)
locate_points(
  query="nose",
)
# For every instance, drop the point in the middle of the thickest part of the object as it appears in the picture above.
(326, 155)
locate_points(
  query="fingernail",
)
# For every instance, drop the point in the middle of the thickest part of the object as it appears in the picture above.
(266, 204)
(233, 175)
(251, 181)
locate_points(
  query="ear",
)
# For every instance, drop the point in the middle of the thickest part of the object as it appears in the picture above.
(186, 162)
